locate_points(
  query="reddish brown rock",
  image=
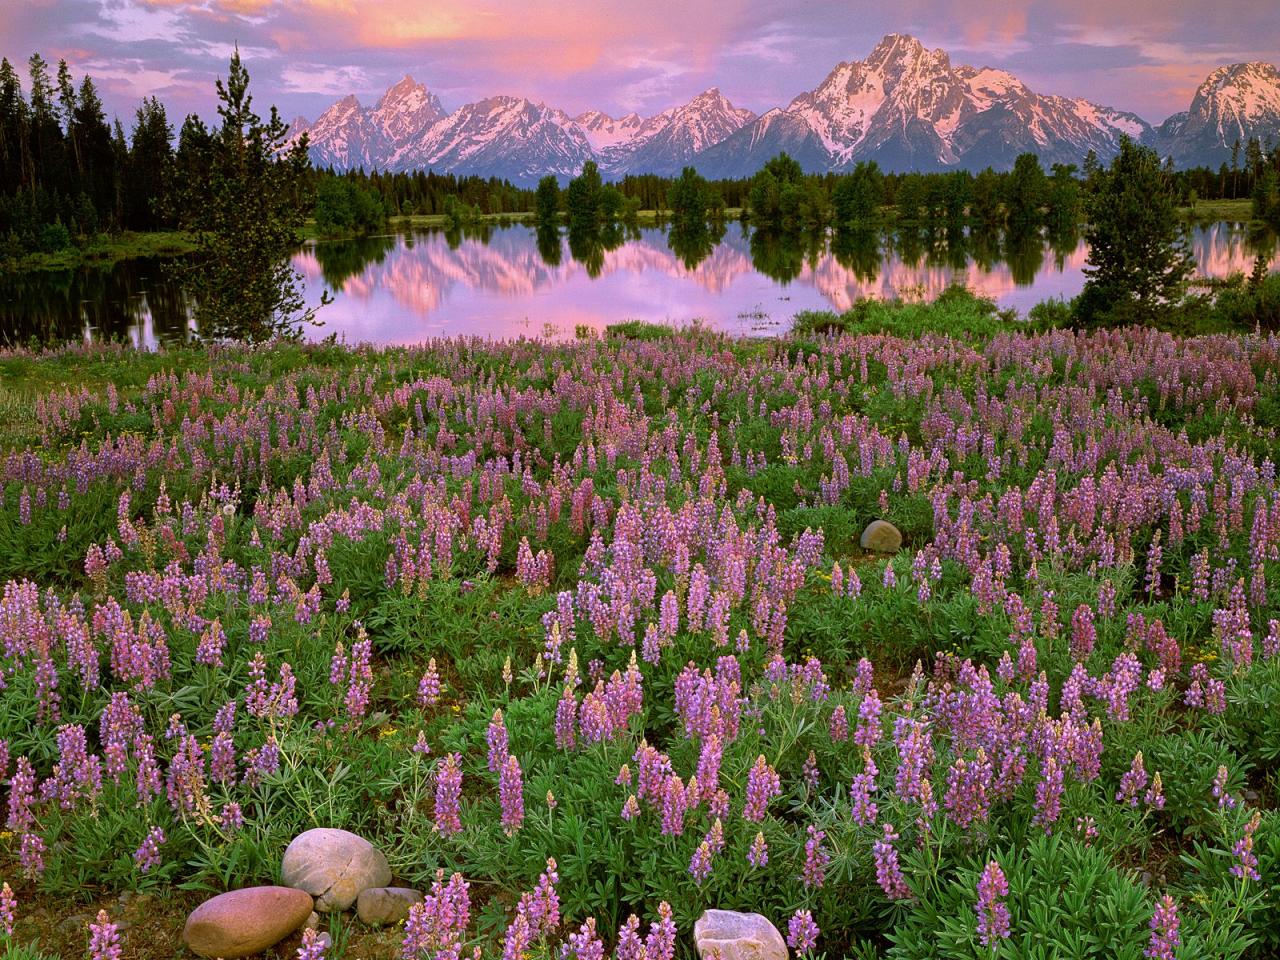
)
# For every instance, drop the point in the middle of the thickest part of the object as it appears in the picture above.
(244, 922)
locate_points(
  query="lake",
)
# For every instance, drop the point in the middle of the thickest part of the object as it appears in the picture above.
(512, 281)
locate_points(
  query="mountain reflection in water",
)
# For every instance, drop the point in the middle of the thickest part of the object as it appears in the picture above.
(515, 280)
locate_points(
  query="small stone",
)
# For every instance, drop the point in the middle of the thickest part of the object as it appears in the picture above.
(313, 922)
(76, 923)
(384, 905)
(333, 866)
(881, 536)
(729, 935)
(244, 922)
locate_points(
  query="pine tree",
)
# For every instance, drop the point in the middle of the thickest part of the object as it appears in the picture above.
(150, 165)
(548, 201)
(582, 198)
(245, 219)
(1137, 260)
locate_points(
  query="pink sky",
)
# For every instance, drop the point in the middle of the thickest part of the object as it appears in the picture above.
(619, 55)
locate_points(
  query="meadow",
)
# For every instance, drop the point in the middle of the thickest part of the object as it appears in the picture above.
(582, 637)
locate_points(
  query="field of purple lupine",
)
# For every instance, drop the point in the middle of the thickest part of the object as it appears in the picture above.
(588, 638)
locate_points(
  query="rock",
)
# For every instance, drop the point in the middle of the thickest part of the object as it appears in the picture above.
(383, 905)
(881, 536)
(244, 922)
(729, 935)
(313, 922)
(76, 923)
(333, 866)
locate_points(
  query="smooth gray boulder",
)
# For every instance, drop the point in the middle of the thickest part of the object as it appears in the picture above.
(333, 866)
(379, 906)
(881, 536)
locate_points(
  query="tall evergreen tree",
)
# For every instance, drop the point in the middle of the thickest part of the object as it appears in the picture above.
(245, 219)
(150, 168)
(548, 201)
(1137, 260)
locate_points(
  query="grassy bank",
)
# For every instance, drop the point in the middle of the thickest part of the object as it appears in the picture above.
(105, 250)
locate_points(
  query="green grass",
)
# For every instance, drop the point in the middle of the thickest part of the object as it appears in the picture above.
(1238, 211)
(105, 250)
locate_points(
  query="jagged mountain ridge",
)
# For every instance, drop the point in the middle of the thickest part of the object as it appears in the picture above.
(1236, 101)
(904, 106)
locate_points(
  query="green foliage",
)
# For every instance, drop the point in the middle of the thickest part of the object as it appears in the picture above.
(345, 207)
(1137, 260)
(582, 198)
(548, 201)
(687, 199)
(857, 197)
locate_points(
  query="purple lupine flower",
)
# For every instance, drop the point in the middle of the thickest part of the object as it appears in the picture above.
(630, 946)
(815, 858)
(437, 925)
(888, 872)
(1165, 938)
(566, 719)
(700, 863)
(868, 730)
(147, 856)
(231, 817)
(583, 945)
(661, 942)
(517, 940)
(8, 909)
(1048, 802)
(1246, 866)
(802, 932)
(839, 726)
(429, 686)
(1133, 782)
(212, 643)
(758, 854)
(511, 794)
(968, 790)
(448, 794)
(496, 737)
(104, 939)
(675, 802)
(860, 793)
(1154, 797)
(312, 946)
(763, 785)
(993, 915)
(1225, 800)
(31, 851)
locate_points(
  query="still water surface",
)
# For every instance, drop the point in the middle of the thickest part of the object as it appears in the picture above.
(511, 281)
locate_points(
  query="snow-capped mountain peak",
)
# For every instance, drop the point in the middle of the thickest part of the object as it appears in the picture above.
(906, 106)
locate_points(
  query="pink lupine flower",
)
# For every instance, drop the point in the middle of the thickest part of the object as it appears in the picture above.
(8, 910)
(104, 939)
(758, 854)
(1165, 938)
(1246, 866)
(312, 946)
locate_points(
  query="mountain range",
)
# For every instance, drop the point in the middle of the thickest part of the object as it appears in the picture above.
(904, 106)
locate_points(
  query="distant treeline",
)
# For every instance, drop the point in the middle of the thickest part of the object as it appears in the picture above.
(1026, 193)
